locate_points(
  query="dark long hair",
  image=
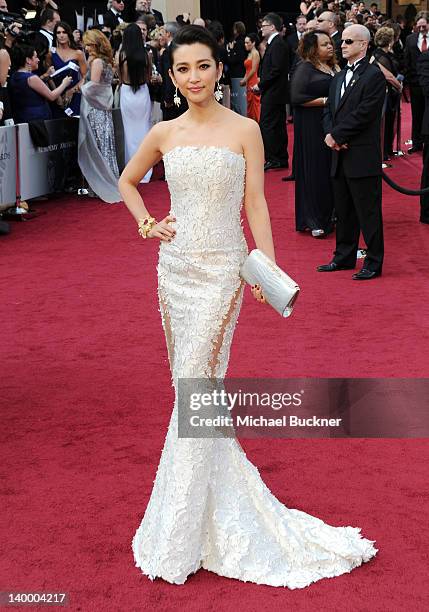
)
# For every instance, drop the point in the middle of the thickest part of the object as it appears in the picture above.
(192, 34)
(308, 48)
(134, 53)
(67, 29)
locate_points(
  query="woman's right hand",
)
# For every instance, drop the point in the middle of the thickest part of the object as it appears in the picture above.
(162, 230)
(66, 81)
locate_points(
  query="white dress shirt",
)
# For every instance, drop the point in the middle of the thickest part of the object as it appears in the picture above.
(420, 41)
(270, 38)
(349, 75)
(118, 14)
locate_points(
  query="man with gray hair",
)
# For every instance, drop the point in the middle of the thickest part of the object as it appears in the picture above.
(113, 17)
(150, 11)
(169, 109)
(352, 121)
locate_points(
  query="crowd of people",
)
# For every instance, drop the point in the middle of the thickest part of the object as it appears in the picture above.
(279, 72)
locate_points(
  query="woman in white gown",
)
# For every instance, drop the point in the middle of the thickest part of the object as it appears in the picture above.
(209, 507)
(135, 102)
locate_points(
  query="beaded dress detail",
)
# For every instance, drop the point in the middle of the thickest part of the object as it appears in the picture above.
(209, 507)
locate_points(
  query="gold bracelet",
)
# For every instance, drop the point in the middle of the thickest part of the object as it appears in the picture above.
(145, 225)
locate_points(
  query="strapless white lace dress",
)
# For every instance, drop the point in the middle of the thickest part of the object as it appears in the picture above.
(209, 507)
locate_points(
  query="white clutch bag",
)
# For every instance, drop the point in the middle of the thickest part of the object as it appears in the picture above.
(279, 289)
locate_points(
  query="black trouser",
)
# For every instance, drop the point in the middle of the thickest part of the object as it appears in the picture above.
(358, 208)
(273, 128)
(424, 199)
(417, 111)
(389, 132)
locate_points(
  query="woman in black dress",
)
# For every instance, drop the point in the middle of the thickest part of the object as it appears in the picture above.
(384, 40)
(314, 202)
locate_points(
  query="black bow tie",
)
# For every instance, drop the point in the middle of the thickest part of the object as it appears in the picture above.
(354, 66)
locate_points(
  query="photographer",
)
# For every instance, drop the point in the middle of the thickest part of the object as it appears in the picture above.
(11, 33)
(29, 95)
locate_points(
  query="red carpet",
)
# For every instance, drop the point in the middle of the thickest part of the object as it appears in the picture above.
(87, 399)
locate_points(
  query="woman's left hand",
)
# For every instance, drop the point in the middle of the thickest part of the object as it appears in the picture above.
(257, 294)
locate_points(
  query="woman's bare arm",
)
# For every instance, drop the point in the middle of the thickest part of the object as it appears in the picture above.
(148, 155)
(254, 198)
(83, 67)
(96, 70)
(39, 86)
(4, 66)
(315, 102)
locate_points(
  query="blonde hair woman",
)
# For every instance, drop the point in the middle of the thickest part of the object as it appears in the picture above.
(97, 145)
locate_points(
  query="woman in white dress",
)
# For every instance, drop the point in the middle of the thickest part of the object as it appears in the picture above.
(135, 102)
(209, 506)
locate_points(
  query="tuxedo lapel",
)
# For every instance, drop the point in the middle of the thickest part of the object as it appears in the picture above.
(340, 81)
(355, 78)
(267, 51)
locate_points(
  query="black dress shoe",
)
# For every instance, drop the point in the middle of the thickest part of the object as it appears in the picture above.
(365, 274)
(415, 149)
(269, 165)
(4, 228)
(291, 177)
(333, 267)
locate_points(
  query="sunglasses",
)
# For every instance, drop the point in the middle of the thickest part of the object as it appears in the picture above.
(349, 41)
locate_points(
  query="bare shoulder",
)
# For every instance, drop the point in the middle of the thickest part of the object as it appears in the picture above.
(159, 131)
(241, 125)
(250, 131)
(161, 135)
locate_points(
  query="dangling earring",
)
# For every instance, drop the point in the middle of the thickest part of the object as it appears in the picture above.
(218, 94)
(177, 101)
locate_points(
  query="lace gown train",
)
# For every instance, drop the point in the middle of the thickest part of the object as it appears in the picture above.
(209, 506)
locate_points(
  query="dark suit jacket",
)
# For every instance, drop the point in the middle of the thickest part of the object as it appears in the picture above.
(292, 41)
(336, 39)
(411, 53)
(158, 17)
(423, 74)
(274, 72)
(355, 120)
(110, 19)
(236, 59)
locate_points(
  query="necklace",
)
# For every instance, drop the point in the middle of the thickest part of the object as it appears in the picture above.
(325, 68)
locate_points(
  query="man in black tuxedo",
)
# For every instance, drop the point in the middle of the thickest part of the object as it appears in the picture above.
(294, 38)
(169, 109)
(423, 74)
(416, 44)
(113, 17)
(329, 22)
(352, 120)
(273, 88)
